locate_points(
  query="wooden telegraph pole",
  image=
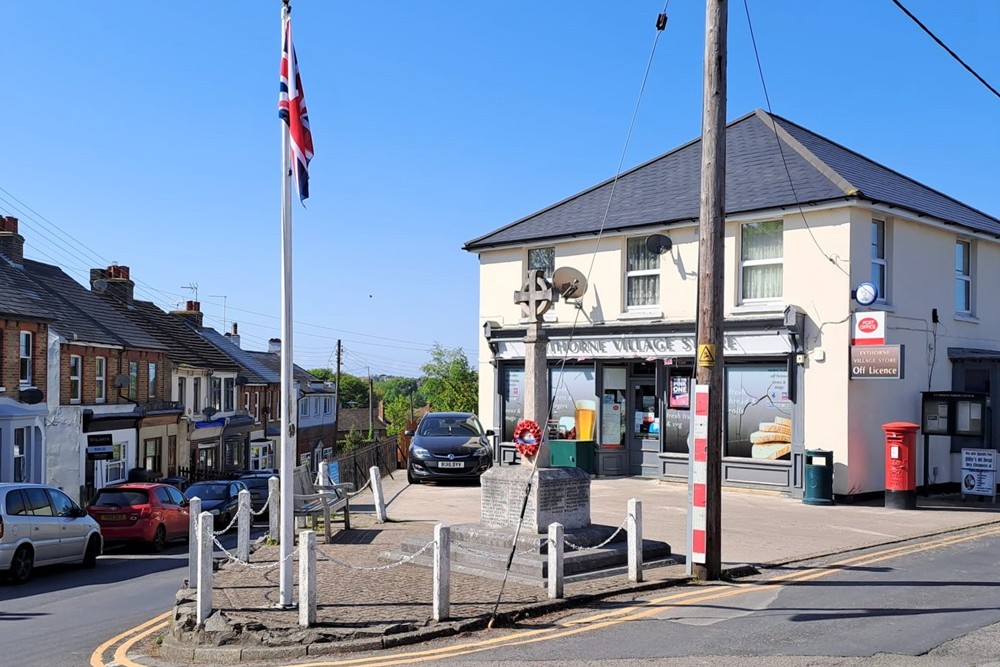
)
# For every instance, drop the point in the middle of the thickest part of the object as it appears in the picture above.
(710, 285)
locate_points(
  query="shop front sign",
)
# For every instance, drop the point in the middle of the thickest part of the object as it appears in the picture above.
(881, 362)
(646, 346)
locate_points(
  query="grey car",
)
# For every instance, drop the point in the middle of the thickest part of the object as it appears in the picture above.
(448, 445)
(41, 525)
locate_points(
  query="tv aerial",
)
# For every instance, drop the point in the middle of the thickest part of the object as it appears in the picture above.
(569, 282)
(658, 244)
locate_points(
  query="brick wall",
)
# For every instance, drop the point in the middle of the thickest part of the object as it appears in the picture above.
(10, 355)
(117, 362)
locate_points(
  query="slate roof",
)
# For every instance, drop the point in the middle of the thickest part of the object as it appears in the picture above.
(273, 361)
(357, 419)
(255, 372)
(184, 345)
(666, 190)
(73, 310)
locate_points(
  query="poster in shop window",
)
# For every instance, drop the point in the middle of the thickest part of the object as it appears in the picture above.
(680, 391)
(758, 413)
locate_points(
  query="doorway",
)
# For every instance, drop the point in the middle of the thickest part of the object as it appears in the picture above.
(643, 426)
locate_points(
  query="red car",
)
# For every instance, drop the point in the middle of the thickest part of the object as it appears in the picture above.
(141, 512)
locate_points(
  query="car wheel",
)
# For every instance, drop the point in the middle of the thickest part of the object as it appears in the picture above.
(410, 478)
(92, 552)
(159, 539)
(22, 564)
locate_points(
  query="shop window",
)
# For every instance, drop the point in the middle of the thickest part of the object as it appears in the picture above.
(963, 277)
(75, 371)
(229, 393)
(758, 412)
(543, 259)
(100, 379)
(27, 358)
(133, 380)
(574, 403)
(676, 425)
(880, 262)
(761, 260)
(642, 274)
(512, 395)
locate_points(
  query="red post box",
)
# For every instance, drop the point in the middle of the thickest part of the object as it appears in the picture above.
(901, 465)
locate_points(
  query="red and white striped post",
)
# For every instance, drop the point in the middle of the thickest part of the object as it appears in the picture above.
(699, 474)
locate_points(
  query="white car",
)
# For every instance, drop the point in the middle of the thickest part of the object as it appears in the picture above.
(41, 525)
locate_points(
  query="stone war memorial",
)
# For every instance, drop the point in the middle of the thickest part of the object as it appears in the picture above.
(544, 493)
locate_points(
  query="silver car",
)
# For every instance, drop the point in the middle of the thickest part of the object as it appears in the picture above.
(41, 525)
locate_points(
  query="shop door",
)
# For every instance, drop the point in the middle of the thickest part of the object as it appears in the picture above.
(643, 424)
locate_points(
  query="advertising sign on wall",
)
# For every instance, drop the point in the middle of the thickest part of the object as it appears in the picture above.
(979, 468)
(882, 362)
(759, 412)
(100, 447)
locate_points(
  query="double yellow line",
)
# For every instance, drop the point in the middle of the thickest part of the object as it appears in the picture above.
(690, 596)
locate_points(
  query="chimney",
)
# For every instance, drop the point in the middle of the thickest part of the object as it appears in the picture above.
(234, 337)
(192, 313)
(274, 346)
(116, 283)
(11, 243)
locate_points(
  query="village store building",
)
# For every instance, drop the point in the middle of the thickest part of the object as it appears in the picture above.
(797, 245)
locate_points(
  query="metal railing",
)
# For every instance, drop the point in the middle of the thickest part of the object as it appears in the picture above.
(387, 455)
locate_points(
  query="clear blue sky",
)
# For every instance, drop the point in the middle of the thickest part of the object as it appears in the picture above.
(147, 134)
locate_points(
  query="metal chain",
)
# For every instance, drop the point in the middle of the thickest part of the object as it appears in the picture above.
(235, 559)
(577, 547)
(367, 484)
(404, 559)
(232, 522)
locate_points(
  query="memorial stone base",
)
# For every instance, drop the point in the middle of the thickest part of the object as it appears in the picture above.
(556, 495)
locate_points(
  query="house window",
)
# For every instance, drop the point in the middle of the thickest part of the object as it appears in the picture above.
(151, 380)
(327, 405)
(880, 267)
(20, 455)
(100, 379)
(115, 469)
(642, 274)
(75, 366)
(133, 380)
(246, 401)
(304, 408)
(316, 406)
(256, 406)
(963, 277)
(544, 259)
(27, 346)
(171, 454)
(229, 393)
(196, 394)
(151, 454)
(216, 401)
(182, 391)
(760, 259)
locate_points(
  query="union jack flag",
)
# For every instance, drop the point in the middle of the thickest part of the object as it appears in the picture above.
(292, 110)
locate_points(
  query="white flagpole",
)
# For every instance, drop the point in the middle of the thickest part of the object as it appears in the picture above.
(289, 413)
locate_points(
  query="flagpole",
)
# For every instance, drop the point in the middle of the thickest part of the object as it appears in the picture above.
(289, 413)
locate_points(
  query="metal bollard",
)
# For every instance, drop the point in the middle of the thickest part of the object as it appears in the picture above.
(243, 521)
(194, 510)
(634, 526)
(206, 545)
(307, 578)
(376, 477)
(556, 560)
(273, 508)
(442, 572)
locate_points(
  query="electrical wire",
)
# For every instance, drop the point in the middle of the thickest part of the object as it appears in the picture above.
(945, 47)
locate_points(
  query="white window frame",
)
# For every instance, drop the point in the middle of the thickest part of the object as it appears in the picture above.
(533, 254)
(196, 397)
(964, 277)
(21, 472)
(26, 351)
(304, 408)
(256, 405)
(100, 379)
(75, 378)
(215, 398)
(133, 380)
(327, 405)
(228, 394)
(114, 470)
(182, 390)
(880, 257)
(774, 261)
(641, 273)
(316, 406)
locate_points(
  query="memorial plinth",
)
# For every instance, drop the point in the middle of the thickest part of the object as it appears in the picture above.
(557, 495)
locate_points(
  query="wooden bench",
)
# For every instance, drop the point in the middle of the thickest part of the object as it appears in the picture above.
(312, 500)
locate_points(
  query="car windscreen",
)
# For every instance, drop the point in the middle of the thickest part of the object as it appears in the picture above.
(121, 497)
(255, 482)
(443, 426)
(208, 491)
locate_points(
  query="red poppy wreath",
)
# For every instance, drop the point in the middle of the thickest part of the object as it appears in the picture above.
(527, 437)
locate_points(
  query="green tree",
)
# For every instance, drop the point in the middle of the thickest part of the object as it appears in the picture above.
(450, 383)
(353, 391)
(324, 374)
(397, 412)
(392, 388)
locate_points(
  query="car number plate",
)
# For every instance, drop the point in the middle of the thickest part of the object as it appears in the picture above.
(450, 464)
(255, 495)
(114, 517)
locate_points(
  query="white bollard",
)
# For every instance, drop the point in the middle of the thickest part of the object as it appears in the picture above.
(442, 572)
(206, 545)
(243, 521)
(307, 578)
(194, 510)
(634, 526)
(376, 477)
(273, 508)
(323, 474)
(555, 561)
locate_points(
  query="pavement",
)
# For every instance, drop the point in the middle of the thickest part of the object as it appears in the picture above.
(368, 601)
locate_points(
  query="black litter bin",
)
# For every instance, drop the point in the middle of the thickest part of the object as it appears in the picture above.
(819, 477)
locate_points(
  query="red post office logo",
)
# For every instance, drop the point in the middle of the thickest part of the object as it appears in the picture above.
(868, 325)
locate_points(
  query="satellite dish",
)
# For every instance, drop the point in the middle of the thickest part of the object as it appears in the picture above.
(100, 285)
(569, 282)
(31, 396)
(241, 380)
(209, 412)
(121, 380)
(658, 244)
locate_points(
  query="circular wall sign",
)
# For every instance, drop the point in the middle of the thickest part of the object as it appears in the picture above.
(866, 294)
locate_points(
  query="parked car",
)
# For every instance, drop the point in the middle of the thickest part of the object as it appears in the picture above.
(41, 525)
(448, 445)
(257, 483)
(220, 497)
(145, 512)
